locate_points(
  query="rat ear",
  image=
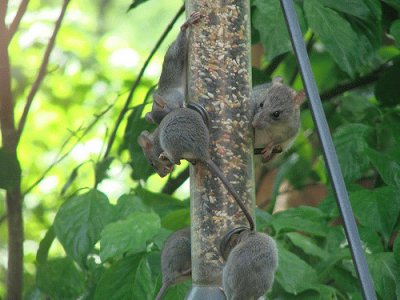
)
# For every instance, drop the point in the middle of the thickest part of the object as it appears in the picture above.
(277, 80)
(144, 140)
(159, 101)
(149, 117)
(299, 97)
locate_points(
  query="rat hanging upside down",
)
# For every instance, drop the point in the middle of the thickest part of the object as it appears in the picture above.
(183, 134)
(172, 84)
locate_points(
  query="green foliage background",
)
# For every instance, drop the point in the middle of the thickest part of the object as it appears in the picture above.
(102, 241)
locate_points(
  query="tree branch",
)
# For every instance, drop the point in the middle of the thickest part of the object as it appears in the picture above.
(275, 62)
(173, 183)
(358, 82)
(42, 70)
(137, 81)
(17, 19)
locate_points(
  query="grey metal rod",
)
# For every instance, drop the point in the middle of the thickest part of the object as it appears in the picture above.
(328, 148)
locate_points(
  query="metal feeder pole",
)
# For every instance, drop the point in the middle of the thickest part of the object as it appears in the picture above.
(328, 148)
(220, 80)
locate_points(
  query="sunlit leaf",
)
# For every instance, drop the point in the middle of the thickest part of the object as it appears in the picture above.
(79, 222)
(130, 234)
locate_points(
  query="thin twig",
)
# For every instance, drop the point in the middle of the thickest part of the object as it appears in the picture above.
(138, 79)
(17, 19)
(174, 183)
(62, 157)
(358, 82)
(42, 70)
(275, 62)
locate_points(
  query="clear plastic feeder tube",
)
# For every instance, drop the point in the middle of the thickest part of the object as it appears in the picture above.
(220, 80)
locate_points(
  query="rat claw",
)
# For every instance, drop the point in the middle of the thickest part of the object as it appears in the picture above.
(162, 156)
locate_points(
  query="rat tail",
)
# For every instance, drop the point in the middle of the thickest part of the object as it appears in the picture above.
(217, 171)
(162, 290)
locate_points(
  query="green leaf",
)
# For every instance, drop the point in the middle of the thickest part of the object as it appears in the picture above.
(386, 275)
(143, 285)
(396, 249)
(101, 169)
(306, 244)
(386, 89)
(79, 222)
(130, 235)
(263, 219)
(395, 31)
(60, 279)
(44, 246)
(10, 170)
(161, 203)
(335, 33)
(293, 271)
(136, 3)
(303, 218)
(350, 143)
(176, 219)
(356, 8)
(268, 19)
(377, 209)
(127, 279)
(372, 241)
(388, 165)
(354, 107)
(128, 204)
(135, 125)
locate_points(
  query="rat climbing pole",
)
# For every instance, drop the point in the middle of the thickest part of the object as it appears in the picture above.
(220, 80)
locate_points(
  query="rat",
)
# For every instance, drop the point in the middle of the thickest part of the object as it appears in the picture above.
(276, 117)
(176, 261)
(183, 134)
(150, 143)
(172, 85)
(250, 267)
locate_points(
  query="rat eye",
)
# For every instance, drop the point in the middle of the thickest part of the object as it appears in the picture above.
(261, 104)
(275, 115)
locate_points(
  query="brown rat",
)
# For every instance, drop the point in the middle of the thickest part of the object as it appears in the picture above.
(183, 134)
(172, 85)
(250, 267)
(276, 117)
(150, 143)
(176, 261)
